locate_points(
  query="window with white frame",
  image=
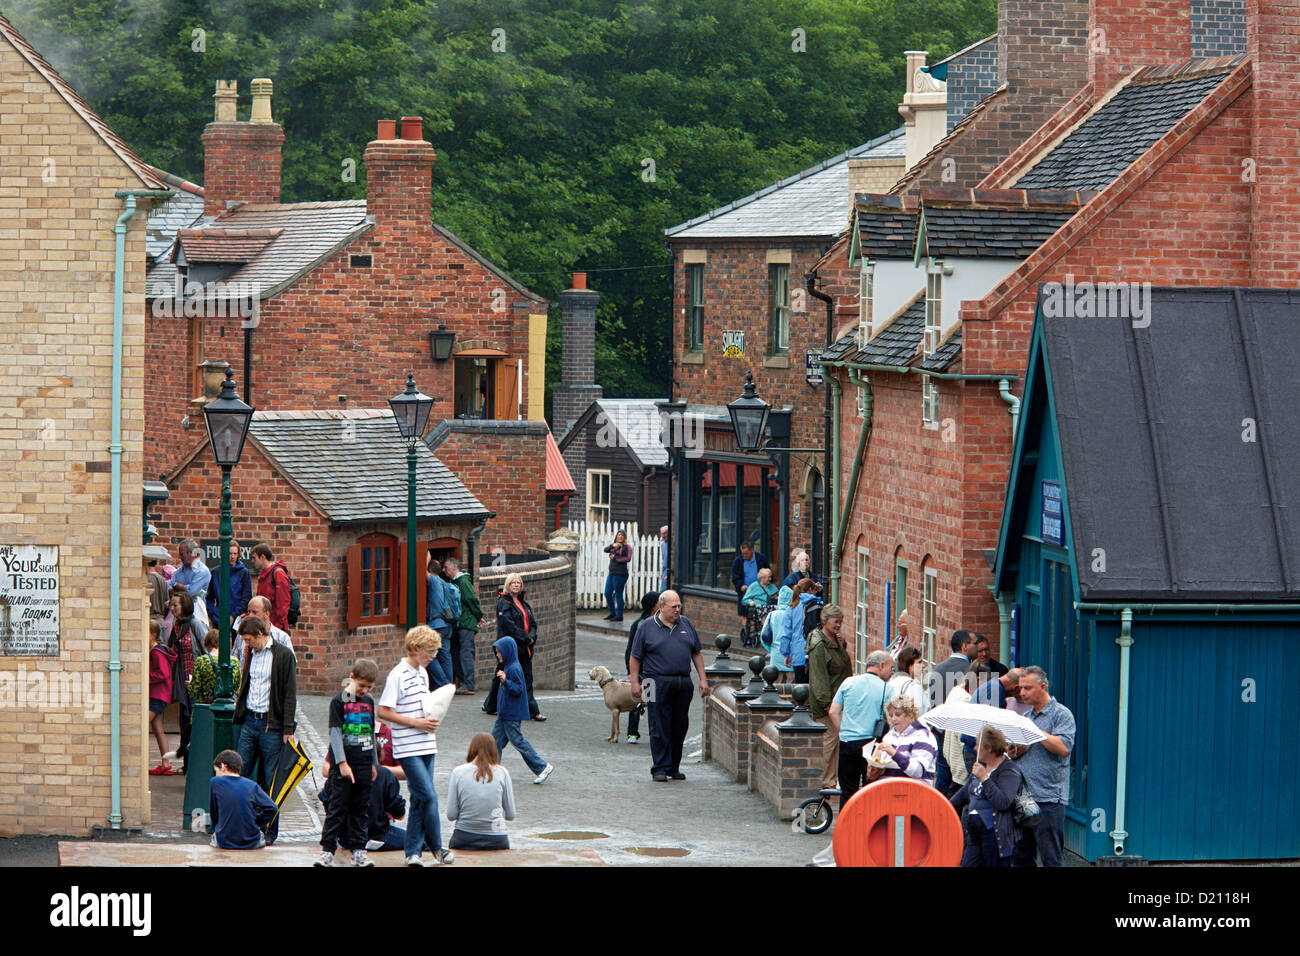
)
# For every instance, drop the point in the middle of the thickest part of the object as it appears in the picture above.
(929, 613)
(779, 282)
(930, 340)
(598, 486)
(866, 296)
(861, 610)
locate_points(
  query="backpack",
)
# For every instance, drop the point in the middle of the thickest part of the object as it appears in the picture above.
(812, 617)
(451, 609)
(295, 597)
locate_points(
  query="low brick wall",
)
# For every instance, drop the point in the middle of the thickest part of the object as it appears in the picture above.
(549, 590)
(713, 616)
(719, 740)
(719, 676)
(765, 772)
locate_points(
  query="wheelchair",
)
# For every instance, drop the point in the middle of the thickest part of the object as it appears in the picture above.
(752, 629)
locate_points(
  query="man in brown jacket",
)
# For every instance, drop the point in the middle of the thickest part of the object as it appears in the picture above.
(829, 662)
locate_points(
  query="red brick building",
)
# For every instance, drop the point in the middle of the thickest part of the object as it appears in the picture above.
(326, 490)
(1181, 164)
(328, 306)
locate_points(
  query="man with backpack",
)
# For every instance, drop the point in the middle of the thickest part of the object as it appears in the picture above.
(275, 584)
(465, 631)
(442, 611)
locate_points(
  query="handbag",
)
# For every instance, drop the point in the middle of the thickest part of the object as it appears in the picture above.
(1025, 810)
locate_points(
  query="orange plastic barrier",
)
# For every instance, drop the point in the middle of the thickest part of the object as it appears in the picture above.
(897, 822)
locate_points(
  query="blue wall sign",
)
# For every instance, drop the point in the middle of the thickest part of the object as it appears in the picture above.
(1053, 517)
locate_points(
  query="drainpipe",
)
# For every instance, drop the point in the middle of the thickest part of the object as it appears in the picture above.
(559, 506)
(1004, 622)
(1125, 642)
(1004, 392)
(129, 196)
(830, 439)
(471, 544)
(837, 548)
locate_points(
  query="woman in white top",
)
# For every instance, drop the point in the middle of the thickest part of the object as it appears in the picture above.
(908, 681)
(401, 706)
(480, 799)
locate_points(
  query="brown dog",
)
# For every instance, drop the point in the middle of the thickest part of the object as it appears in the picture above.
(618, 697)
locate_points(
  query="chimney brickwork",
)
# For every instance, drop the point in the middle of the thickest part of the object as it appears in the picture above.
(1125, 35)
(241, 161)
(399, 186)
(577, 388)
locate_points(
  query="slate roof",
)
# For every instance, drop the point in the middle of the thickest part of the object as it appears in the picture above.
(352, 465)
(165, 219)
(896, 344)
(146, 173)
(1106, 143)
(991, 231)
(814, 202)
(886, 229)
(224, 245)
(637, 421)
(1157, 472)
(310, 233)
(942, 358)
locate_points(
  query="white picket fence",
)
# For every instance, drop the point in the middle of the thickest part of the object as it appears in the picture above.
(593, 563)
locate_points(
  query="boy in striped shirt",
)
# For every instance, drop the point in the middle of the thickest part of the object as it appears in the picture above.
(401, 706)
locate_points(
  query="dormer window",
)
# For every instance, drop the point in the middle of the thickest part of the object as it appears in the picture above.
(866, 294)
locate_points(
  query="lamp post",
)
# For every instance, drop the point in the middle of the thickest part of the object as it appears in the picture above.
(227, 419)
(411, 412)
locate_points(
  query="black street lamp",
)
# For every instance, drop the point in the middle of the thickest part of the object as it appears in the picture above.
(411, 412)
(227, 419)
(749, 417)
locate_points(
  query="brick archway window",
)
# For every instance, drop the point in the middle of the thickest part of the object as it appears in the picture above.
(373, 576)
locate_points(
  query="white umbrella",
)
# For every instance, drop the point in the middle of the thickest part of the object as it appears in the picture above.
(971, 719)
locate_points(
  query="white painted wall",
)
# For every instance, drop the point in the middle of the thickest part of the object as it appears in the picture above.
(970, 279)
(897, 283)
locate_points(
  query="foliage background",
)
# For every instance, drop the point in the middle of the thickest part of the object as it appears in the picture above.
(541, 145)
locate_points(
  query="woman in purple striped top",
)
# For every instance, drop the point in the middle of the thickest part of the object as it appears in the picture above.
(910, 744)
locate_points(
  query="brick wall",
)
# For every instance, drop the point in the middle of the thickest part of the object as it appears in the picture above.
(504, 465)
(56, 328)
(1127, 34)
(241, 163)
(549, 590)
(1218, 27)
(971, 77)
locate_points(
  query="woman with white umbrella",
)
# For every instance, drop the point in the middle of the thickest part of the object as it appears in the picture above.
(989, 794)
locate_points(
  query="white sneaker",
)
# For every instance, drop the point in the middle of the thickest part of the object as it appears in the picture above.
(359, 858)
(326, 858)
(546, 772)
(415, 861)
(444, 856)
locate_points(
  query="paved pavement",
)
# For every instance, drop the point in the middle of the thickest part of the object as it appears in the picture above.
(601, 796)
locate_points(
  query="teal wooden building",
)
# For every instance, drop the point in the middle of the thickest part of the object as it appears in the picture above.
(1150, 542)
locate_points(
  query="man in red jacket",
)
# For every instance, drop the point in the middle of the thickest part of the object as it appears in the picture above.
(272, 584)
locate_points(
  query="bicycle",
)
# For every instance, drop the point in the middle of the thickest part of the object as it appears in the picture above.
(816, 814)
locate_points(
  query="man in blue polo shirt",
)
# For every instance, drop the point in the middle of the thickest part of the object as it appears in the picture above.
(858, 705)
(1045, 767)
(663, 650)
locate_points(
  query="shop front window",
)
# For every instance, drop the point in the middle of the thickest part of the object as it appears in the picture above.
(728, 503)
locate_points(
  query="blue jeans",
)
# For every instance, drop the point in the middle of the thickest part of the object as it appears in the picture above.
(614, 587)
(394, 838)
(504, 730)
(462, 655)
(439, 668)
(423, 816)
(255, 745)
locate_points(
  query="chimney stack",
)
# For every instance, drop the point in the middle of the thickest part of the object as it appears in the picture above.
(1124, 35)
(924, 109)
(577, 388)
(399, 184)
(241, 161)
(1272, 42)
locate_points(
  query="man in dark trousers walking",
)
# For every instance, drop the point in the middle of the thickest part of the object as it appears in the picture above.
(663, 651)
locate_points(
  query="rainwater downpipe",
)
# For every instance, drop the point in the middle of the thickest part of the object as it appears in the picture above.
(129, 196)
(1125, 642)
(1004, 392)
(851, 491)
(830, 439)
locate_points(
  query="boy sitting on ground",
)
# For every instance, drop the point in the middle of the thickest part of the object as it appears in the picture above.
(238, 807)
